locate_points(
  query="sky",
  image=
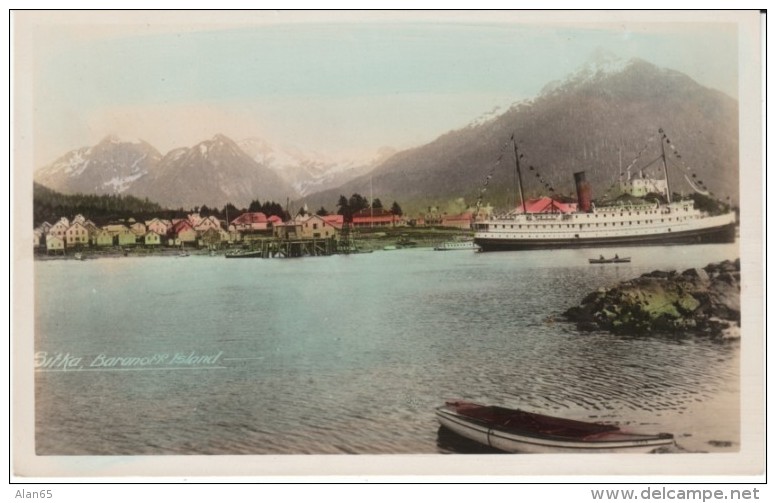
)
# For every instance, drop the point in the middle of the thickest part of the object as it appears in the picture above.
(339, 83)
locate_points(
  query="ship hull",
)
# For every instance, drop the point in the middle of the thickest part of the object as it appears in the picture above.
(721, 234)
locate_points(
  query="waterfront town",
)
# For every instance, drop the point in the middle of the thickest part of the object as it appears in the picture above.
(196, 231)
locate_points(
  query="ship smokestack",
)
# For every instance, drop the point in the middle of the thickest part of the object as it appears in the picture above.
(583, 192)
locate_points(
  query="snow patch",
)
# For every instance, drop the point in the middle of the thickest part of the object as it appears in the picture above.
(120, 184)
(203, 149)
(76, 164)
(134, 166)
(116, 139)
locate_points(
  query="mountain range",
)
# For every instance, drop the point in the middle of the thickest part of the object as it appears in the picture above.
(212, 172)
(602, 119)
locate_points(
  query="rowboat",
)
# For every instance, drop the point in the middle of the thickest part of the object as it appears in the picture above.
(519, 431)
(613, 260)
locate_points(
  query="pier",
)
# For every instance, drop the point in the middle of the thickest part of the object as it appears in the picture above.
(292, 248)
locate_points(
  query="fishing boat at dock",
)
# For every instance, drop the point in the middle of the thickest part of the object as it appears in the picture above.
(244, 254)
(519, 431)
(632, 221)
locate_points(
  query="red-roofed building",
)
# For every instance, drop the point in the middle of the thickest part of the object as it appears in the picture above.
(275, 220)
(207, 224)
(376, 217)
(183, 232)
(256, 221)
(336, 220)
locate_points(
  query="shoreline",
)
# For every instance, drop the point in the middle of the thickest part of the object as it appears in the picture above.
(365, 241)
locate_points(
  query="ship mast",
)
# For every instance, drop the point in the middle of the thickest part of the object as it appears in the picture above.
(519, 177)
(665, 166)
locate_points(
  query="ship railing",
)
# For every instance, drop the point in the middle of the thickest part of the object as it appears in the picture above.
(543, 216)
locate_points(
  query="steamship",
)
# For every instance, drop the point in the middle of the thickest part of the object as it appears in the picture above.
(549, 224)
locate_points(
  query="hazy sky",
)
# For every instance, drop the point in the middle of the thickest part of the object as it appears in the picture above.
(343, 86)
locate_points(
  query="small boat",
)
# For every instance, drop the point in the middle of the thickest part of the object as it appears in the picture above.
(405, 242)
(613, 260)
(456, 245)
(183, 253)
(79, 256)
(518, 431)
(243, 254)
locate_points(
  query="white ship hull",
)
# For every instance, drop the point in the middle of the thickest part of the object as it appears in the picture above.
(677, 223)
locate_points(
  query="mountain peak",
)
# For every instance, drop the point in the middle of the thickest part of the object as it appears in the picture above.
(222, 138)
(114, 139)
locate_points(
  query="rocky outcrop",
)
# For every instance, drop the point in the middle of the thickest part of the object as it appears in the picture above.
(697, 301)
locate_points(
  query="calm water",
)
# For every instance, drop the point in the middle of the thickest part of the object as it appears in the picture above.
(351, 354)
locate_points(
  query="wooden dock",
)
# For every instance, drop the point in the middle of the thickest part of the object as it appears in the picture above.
(292, 248)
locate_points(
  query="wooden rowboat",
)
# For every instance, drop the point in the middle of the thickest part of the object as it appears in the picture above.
(515, 430)
(613, 260)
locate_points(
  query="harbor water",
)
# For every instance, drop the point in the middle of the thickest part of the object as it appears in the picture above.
(352, 353)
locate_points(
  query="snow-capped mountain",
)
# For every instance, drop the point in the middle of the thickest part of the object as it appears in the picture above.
(112, 166)
(310, 171)
(213, 172)
(597, 120)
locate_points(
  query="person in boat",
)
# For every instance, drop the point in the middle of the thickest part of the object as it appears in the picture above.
(601, 257)
(616, 256)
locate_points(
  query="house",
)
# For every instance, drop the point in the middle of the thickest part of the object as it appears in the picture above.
(102, 238)
(274, 220)
(207, 224)
(194, 219)
(462, 221)
(116, 229)
(60, 228)
(375, 217)
(37, 238)
(183, 232)
(92, 229)
(126, 237)
(55, 243)
(45, 227)
(76, 235)
(287, 230)
(78, 219)
(213, 238)
(158, 226)
(252, 221)
(138, 229)
(315, 227)
(152, 239)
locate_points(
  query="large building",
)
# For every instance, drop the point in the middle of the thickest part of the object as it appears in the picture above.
(375, 217)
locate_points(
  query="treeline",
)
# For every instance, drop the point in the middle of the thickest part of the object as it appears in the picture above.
(347, 207)
(50, 206)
